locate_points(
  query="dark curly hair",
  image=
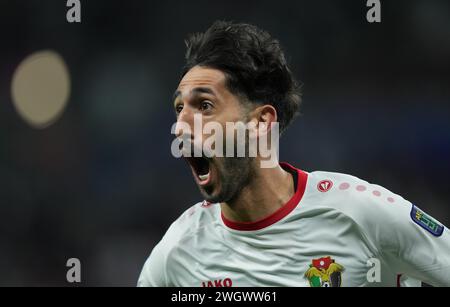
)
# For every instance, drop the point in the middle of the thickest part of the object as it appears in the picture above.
(253, 62)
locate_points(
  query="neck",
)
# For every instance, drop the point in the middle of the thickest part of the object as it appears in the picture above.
(268, 190)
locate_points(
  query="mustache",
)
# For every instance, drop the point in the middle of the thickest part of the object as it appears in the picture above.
(191, 148)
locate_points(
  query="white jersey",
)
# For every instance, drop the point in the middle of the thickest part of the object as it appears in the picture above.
(337, 230)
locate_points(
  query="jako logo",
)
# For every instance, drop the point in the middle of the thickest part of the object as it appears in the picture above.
(324, 185)
(218, 283)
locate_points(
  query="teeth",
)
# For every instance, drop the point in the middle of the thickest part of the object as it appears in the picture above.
(203, 177)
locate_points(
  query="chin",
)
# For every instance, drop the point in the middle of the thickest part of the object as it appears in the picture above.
(212, 197)
(220, 195)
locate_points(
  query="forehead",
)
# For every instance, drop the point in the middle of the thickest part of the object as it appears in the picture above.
(202, 77)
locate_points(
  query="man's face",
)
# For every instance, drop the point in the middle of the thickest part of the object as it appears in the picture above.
(203, 91)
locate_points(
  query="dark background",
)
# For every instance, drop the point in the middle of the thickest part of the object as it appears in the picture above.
(101, 185)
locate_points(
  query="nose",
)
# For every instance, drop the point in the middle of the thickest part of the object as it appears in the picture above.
(185, 122)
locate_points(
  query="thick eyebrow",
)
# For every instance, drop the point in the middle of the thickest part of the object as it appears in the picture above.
(176, 95)
(195, 91)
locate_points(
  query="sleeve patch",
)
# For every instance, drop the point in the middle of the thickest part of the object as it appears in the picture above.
(426, 222)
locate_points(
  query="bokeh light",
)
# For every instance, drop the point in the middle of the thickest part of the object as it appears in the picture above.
(40, 88)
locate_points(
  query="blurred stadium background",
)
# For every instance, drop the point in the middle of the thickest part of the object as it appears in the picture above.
(100, 184)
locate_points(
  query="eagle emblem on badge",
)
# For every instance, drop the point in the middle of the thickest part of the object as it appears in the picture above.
(324, 272)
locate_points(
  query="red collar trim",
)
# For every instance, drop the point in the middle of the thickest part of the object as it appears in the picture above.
(281, 212)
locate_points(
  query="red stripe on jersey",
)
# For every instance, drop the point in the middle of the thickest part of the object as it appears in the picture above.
(280, 213)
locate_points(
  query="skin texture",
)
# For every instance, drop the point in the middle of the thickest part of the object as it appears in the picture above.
(246, 192)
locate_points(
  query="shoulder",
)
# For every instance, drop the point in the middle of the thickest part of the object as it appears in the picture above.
(374, 211)
(367, 204)
(191, 221)
(188, 224)
(347, 192)
(154, 272)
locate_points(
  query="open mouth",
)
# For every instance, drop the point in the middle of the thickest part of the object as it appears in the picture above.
(201, 169)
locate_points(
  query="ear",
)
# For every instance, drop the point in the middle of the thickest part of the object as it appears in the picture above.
(265, 117)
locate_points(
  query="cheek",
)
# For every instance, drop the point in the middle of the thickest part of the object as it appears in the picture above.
(230, 116)
(232, 110)
(233, 116)
(238, 114)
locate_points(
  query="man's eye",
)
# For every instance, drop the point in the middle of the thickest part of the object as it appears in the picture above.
(178, 108)
(206, 105)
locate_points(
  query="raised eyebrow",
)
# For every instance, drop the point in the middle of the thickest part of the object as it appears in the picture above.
(203, 90)
(176, 95)
(195, 91)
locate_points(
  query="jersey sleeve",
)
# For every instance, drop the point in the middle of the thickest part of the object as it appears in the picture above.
(153, 273)
(411, 242)
(417, 245)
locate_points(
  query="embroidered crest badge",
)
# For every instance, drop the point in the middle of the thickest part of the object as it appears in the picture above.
(324, 272)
